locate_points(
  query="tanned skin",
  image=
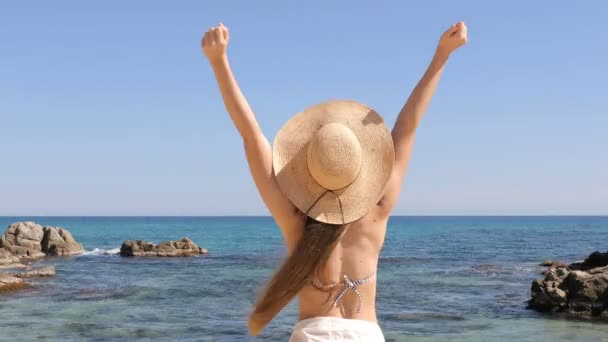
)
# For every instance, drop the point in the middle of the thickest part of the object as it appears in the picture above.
(358, 249)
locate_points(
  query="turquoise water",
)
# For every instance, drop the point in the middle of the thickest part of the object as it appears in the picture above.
(440, 279)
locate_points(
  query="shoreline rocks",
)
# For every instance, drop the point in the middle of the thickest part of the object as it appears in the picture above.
(24, 242)
(7, 259)
(180, 248)
(42, 272)
(578, 290)
(30, 241)
(10, 283)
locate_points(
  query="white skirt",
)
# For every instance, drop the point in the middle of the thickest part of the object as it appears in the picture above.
(322, 329)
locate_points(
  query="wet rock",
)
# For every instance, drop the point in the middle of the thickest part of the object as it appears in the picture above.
(578, 290)
(596, 259)
(10, 283)
(181, 248)
(12, 266)
(554, 264)
(43, 272)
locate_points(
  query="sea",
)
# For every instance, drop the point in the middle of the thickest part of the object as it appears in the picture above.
(439, 279)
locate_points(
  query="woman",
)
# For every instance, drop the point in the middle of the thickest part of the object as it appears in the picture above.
(330, 183)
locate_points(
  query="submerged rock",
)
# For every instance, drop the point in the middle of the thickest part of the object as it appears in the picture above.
(30, 241)
(181, 248)
(43, 272)
(579, 289)
(10, 283)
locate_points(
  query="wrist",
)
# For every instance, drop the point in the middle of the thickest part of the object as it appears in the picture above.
(441, 56)
(219, 61)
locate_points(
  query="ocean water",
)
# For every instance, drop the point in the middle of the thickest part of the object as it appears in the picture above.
(440, 279)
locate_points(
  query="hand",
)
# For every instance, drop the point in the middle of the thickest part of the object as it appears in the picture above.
(215, 42)
(452, 39)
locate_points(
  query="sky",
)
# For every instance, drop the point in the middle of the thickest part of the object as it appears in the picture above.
(110, 108)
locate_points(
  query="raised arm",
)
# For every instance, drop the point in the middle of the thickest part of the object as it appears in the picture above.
(415, 107)
(257, 147)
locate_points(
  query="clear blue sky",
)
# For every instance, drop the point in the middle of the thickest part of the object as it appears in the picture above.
(109, 108)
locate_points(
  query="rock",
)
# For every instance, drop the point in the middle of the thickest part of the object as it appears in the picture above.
(58, 241)
(550, 263)
(556, 274)
(29, 241)
(12, 266)
(596, 259)
(7, 258)
(23, 239)
(181, 248)
(42, 272)
(10, 283)
(580, 291)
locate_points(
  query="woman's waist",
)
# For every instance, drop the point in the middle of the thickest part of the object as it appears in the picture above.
(360, 306)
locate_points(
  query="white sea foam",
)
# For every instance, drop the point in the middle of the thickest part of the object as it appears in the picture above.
(101, 251)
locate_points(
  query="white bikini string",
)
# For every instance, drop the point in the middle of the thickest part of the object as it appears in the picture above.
(349, 285)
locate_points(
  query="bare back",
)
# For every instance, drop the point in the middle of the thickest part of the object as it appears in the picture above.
(356, 256)
(357, 250)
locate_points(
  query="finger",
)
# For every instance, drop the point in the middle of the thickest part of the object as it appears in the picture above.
(455, 28)
(222, 32)
(216, 35)
(225, 34)
(205, 39)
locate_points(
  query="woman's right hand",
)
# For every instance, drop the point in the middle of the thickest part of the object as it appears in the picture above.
(215, 42)
(455, 37)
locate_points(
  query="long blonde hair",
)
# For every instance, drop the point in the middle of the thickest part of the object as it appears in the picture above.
(311, 253)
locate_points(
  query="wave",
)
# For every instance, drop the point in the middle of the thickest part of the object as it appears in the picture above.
(102, 251)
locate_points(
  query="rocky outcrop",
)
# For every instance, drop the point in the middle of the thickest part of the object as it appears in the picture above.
(23, 240)
(42, 272)
(10, 283)
(596, 259)
(7, 258)
(58, 241)
(181, 248)
(579, 289)
(30, 241)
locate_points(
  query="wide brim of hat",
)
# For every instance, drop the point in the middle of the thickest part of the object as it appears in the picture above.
(291, 170)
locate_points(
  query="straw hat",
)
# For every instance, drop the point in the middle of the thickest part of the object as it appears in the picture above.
(333, 160)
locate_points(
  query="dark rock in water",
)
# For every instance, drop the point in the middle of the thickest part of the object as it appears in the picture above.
(10, 283)
(30, 241)
(42, 272)
(181, 248)
(596, 259)
(579, 290)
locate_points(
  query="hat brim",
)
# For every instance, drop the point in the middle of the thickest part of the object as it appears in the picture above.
(291, 170)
